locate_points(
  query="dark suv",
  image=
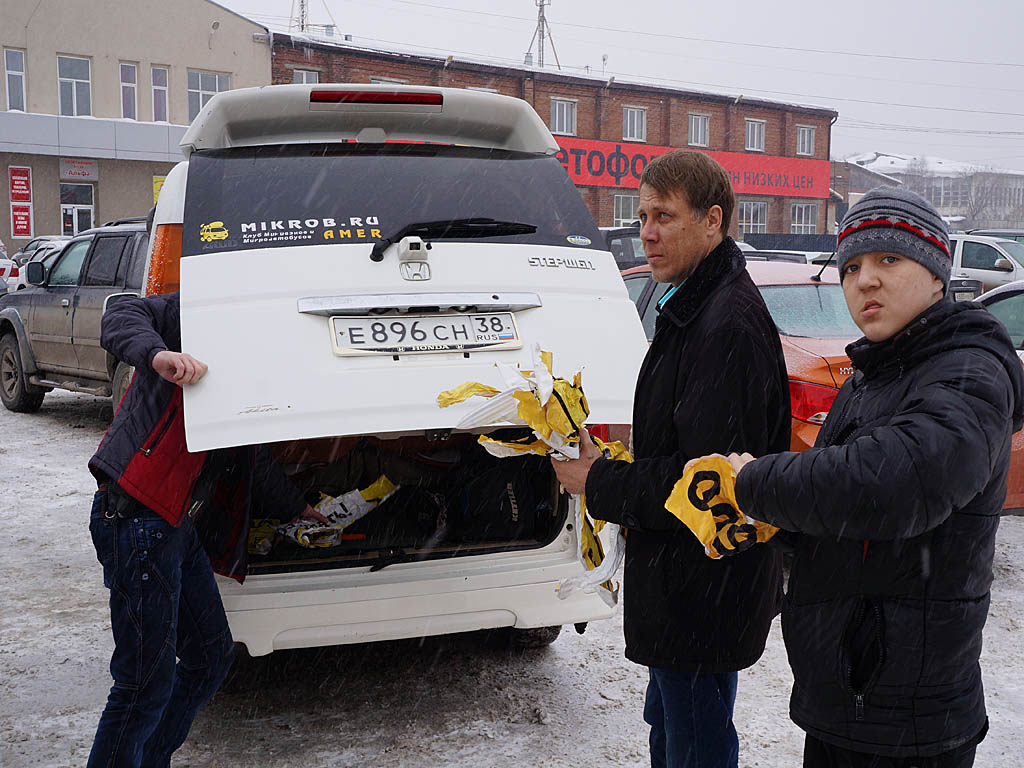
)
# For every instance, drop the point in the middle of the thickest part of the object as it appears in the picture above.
(50, 332)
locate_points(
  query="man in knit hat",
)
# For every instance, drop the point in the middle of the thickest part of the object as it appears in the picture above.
(896, 506)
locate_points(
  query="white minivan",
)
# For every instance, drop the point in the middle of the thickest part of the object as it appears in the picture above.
(345, 253)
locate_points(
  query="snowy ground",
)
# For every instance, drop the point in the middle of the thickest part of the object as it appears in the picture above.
(438, 702)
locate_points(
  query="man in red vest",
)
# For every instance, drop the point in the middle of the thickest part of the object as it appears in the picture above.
(163, 520)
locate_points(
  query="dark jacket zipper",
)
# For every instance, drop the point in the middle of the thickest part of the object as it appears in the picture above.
(163, 431)
(858, 696)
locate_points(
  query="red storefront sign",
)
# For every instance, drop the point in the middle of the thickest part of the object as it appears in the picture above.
(617, 164)
(21, 220)
(20, 184)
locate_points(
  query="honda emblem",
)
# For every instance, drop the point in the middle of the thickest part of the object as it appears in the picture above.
(414, 270)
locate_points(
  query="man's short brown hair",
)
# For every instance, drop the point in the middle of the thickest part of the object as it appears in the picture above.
(700, 180)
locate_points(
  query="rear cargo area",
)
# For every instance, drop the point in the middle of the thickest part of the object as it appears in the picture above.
(446, 498)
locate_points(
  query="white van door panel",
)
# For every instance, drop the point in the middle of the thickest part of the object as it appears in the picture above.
(273, 373)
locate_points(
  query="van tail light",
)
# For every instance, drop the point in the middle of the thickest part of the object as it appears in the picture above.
(14, 271)
(375, 97)
(811, 402)
(165, 261)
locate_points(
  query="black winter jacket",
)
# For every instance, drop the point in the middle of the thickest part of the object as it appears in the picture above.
(713, 381)
(898, 504)
(143, 452)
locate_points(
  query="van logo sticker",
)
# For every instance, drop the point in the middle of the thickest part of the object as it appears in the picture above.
(414, 270)
(578, 239)
(213, 231)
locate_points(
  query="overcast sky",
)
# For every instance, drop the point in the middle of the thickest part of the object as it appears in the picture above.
(935, 77)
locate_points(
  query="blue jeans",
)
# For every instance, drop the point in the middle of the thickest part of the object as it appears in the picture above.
(164, 603)
(691, 719)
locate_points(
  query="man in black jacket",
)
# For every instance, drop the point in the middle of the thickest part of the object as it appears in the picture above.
(714, 376)
(898, 505)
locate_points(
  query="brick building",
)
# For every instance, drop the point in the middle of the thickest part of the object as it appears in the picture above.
(777, 154)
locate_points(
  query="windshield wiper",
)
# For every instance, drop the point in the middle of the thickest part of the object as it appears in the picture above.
(453, 228)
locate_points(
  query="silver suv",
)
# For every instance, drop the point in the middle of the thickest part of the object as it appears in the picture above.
(50, 331)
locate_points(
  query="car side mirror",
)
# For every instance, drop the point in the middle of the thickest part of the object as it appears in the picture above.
(35, 273)
(1003, 265)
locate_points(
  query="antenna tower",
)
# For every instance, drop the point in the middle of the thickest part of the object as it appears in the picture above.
(540, 31)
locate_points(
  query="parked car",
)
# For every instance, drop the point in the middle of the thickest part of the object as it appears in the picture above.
(1005, 234)
(392, 295)
(50, 331)
(8, 273)
(625, 245)
(1007, 303)
(994, 261)
(45, 253)
(814, 325)
(25, 253)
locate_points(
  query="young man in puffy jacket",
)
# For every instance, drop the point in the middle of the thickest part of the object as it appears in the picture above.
(159, 518)
(898, 505)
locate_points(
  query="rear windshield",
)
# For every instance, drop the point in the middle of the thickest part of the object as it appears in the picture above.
(811, 311)
(324, 194)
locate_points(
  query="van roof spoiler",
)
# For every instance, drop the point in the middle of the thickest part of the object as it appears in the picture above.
(374, 113)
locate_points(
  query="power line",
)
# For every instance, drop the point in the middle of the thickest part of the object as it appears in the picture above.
(643, 79)
(726, 42)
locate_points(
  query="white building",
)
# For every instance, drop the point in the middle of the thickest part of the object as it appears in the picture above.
(95, 96)
(967, 195)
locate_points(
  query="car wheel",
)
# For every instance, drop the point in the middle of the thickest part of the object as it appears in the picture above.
(510, 638)
(535, 638)
(119, 384)
(15, 391)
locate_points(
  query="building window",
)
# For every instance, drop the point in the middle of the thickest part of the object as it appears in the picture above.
(129, 85)
(805, 219)
(160, 79)
(389, 80)
(14, 66)
(805, 139)
(625, 210)
(76, 208)
(753, 218)
(563, 117)
(305, 76)
(203, 86)
(755, 135)
(699, 130)
(73, 83)
(634, 124)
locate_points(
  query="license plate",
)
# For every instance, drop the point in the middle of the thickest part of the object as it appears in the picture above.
(420, 334)
(963, 295)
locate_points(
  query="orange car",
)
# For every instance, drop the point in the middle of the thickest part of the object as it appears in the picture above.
(815, 327)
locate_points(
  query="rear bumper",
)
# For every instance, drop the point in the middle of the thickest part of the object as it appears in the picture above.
(302, 610)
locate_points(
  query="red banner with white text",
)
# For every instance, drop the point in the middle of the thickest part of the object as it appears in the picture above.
(619, 164)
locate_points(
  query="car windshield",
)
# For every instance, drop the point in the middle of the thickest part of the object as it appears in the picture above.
(810, 311)
(324, 194)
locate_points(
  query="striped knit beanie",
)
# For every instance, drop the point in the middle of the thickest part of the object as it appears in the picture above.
(894, 220)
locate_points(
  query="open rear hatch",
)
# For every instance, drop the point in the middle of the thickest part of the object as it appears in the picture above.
(314, 335)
